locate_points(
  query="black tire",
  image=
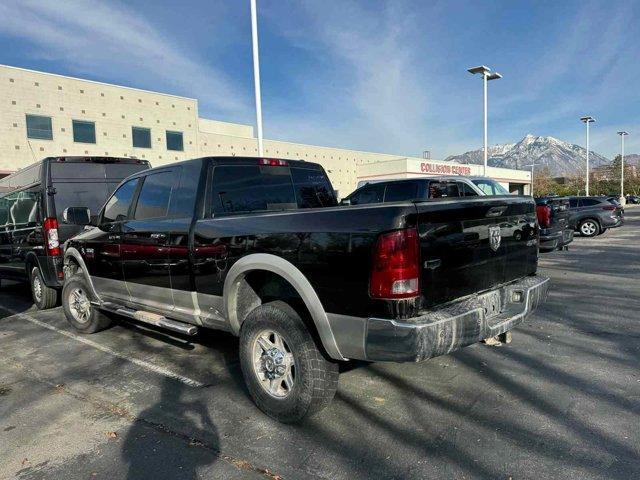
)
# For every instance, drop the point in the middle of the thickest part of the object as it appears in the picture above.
(315, 378)
(589, 227)
(92, 320)
(43, 297)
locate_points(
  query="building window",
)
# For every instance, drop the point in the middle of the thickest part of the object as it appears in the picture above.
(39, 127)
(84, 132)
(174, 141)
(141, 137)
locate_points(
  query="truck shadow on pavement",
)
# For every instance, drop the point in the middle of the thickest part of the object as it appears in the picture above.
(146, 457)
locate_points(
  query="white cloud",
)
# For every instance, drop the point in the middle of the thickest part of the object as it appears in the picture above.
(96, 39)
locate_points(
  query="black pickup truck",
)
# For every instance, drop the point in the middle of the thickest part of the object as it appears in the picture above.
(259, 248)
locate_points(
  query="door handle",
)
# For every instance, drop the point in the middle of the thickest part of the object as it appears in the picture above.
(158, 236)
(114, 237)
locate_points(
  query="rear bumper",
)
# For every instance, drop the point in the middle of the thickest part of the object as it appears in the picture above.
(454, 326)
(556, 239)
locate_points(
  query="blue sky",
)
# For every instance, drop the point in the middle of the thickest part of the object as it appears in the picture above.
(370, 75)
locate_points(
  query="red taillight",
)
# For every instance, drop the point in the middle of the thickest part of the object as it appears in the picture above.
(544, 215)
(609, 207)
(50, 226)
(272, 162)
(395, 271)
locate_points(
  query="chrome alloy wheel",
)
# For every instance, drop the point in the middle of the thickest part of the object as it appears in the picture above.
(79, 305)
(37, 288)
(273, 364)
(588, 228)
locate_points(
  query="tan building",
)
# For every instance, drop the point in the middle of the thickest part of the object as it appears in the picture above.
(43, 114)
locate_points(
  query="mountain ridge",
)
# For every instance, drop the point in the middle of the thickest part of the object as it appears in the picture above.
(559, 157)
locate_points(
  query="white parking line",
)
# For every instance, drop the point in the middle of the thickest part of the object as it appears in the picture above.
(141, 363)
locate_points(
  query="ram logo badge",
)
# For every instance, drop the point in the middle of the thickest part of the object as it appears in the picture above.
(494, 237)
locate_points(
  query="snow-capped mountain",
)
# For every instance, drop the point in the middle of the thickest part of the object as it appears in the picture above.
(560, 158)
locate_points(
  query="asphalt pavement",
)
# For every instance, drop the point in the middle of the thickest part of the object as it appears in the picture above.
(561, 401)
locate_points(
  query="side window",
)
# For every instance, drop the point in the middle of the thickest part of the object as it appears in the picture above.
(573, 202)
(155, 194)
(370, 194)
(466, 190)
(399, 191)
(21, 208)
(588, 202)
(443, 189)
(117, 208)
(486, 187)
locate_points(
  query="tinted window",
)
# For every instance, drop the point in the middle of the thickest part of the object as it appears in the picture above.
(84, 132)
(155, 194)
(399, 191)
(112, 172)
(248, 188)
(490, 187)
(174, 141)
(90, 195)
(443, 189)
(369, 194)
(141, 137)
(20, 208)
(573, 202)
(117, 208)
(39, 127)
(588, 202)
(312, 188)
(466, 190)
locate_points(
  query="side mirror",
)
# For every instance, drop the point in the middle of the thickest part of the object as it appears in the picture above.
(4, 215)
(345, 201)
(76, 216)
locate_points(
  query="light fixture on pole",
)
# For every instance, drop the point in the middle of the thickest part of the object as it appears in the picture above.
(622, 135)
(256, 73)
(487, 75)
(587, 120)
(532, 166)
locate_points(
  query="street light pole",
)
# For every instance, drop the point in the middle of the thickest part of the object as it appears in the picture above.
(486, 76)
(587, 120)
(256, 74)
(622, 135)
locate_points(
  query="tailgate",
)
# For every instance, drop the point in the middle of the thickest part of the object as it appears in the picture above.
(559, 213)
(473, 244)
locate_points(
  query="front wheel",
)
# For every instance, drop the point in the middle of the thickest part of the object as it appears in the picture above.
(287, 375)
(80, 313)
(44, 297)
(589, 228)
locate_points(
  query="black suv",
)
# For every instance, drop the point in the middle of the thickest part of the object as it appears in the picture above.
(33, 224)
(259, 247)
(591, 216)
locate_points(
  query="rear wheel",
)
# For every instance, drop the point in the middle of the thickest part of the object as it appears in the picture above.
(589, 228)
(287, 375)
(44, 297)
(76, 303)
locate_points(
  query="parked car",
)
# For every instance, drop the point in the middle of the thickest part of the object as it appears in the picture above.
(633, 199)
(553, 218)
(33, 202)
(260, 248)
(591, 216)
(385, 191)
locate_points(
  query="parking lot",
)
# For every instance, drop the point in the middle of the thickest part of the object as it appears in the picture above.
(561, 401)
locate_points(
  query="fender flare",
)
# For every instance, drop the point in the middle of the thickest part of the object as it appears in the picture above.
(288, 271)
(75, 254)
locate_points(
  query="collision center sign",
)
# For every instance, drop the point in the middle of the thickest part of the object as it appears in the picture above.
(444, 169)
